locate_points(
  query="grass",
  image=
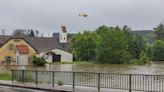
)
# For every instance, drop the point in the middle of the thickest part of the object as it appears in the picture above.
(74, 62)
(5, 76)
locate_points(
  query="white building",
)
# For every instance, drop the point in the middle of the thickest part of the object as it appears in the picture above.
(57, 55)
(22, 54)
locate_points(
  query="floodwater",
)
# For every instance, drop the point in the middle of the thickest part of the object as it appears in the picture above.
(152, 68)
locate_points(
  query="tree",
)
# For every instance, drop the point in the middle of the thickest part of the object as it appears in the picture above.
(136, 46)
(38, 61)
(159, 31)
(84, 45)
(113, 47)
(32, 33)
(158, 50)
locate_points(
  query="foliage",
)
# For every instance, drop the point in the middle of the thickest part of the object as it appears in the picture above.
(159, 31)
(150, 38)
(112, 45)
(136, 46)
(149, 52)
(84, 45)
(38, 61)
(32, 33)
(60, 83)
(158, 50)
(142, 60)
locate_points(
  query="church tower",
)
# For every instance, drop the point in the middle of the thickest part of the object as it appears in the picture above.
(63, 35)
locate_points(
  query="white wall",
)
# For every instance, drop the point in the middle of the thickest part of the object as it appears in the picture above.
(65, 56)
(22, 59)
(48, 58)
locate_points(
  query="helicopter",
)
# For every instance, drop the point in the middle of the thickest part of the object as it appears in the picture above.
(83, 15)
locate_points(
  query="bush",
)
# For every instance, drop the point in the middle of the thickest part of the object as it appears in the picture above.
(60, 83)
(142, 60)
(158, 50)
(38, 61)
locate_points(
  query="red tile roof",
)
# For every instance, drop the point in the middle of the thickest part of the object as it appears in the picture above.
(22, 49)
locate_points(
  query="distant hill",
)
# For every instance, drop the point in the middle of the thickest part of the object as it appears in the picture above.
(142, 32)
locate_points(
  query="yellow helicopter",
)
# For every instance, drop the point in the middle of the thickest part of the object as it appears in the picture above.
(83, 15)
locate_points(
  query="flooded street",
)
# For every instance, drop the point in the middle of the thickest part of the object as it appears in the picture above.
(152, 68)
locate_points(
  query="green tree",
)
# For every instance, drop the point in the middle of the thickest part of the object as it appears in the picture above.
(158, 50)
(84, 45)
(136, 46)
(159, 31)
(38, 61)
(113, 47)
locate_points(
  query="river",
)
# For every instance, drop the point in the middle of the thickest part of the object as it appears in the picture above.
(152, 68)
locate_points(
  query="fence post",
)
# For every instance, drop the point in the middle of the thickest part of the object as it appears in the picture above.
(98, 82)
(73, 81)
(23, 76)
(12, 75)
(130, 84)
(36, 76)
(53, 78)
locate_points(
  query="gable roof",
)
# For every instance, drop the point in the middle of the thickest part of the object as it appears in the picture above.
(43, 43)
(4, 39)
(22, 49)
(40, 44)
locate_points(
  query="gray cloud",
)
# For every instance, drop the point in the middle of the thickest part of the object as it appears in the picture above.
(48, 15)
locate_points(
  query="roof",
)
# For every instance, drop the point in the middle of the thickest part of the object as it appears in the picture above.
(43, 43)
(40, 44)
(3, 39)
(22, 49)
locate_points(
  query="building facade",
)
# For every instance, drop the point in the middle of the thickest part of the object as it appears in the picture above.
(8, 50)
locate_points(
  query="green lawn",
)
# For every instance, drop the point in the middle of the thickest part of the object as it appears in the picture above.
(5, 76)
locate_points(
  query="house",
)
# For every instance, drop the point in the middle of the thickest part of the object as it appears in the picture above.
(10, 46)
(21, 49)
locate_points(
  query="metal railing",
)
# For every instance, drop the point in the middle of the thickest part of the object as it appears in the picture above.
(131, 82)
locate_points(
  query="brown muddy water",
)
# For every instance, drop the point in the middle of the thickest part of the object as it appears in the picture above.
(152, 68)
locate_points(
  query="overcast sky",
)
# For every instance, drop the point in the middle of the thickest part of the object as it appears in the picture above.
(47, 16)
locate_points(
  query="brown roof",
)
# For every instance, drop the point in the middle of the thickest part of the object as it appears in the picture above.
(3, 39)
(22, 49)
(43, 43)
(40, 44)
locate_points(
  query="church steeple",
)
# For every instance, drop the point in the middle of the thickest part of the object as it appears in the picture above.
(63, 35)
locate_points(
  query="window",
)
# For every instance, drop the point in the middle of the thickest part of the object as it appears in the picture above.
(17, 40)
(11, 46)
(8, 59)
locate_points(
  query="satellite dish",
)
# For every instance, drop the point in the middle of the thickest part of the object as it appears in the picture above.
(83, 15)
